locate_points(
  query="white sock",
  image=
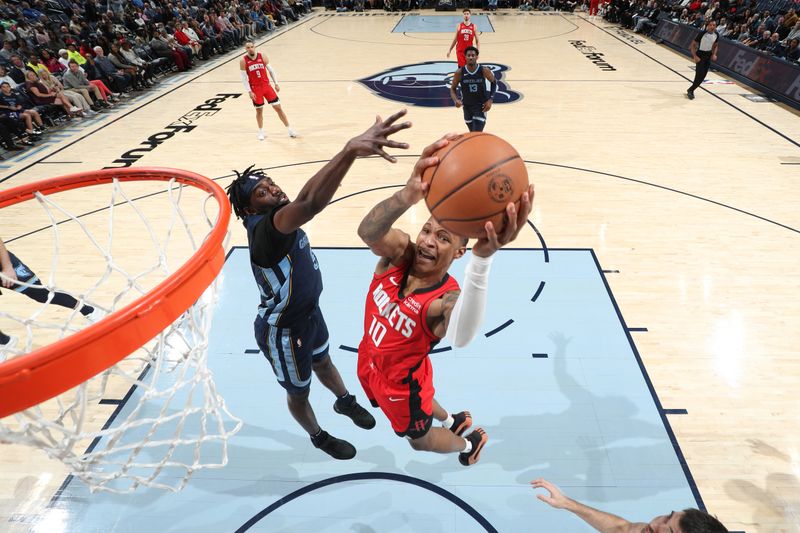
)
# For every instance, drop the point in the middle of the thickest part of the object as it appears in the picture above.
(447, 423)
(261, 130)
(468, 447)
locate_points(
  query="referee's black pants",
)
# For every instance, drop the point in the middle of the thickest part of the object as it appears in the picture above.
(701, 69)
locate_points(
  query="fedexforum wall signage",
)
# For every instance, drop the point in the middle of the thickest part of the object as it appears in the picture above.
(592, 55)
(185, 124)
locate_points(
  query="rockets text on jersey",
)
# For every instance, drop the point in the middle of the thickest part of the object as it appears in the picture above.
(256, 70)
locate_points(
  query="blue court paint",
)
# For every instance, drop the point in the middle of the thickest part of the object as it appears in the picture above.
(439, 24)
(584, 418)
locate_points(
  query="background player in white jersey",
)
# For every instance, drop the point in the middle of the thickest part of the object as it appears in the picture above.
(254, 68)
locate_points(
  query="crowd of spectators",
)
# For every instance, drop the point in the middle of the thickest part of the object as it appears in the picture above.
(773, 28)
(62, 60)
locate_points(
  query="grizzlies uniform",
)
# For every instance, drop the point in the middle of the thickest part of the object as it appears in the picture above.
(393, 364)
(289, 328)
(24, 274)
(473, 96)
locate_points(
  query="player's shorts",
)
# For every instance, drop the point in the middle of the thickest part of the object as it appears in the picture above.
(292, 350)
(461, 58)
(24, 274)
(474, 116)
(409, 404)
(265, 92)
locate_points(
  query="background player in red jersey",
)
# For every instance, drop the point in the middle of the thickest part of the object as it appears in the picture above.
(466, 36)
(255, 80)
(412, 303)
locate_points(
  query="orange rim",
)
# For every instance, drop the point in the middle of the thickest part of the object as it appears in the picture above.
(33, 378)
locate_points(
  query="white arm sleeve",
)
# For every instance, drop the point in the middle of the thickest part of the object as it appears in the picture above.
(245, 82)
(467, 314)
(272, 73)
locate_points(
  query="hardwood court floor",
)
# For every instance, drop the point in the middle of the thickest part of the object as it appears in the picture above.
(690, 204)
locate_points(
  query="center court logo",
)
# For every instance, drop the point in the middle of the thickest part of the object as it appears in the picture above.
(428, 84)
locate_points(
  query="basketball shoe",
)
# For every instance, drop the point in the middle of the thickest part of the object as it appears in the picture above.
(350, 408)
(292, 133)
(336, 448)
(461, 422)
(261, 135)
(478, 438)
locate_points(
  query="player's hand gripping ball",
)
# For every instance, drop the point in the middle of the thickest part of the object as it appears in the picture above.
(477, 176)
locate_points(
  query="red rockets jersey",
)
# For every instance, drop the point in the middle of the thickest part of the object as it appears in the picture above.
(466, 36)
(396, 336)
(256, 70)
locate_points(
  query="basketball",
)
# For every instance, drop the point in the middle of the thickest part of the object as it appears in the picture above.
(477, 176)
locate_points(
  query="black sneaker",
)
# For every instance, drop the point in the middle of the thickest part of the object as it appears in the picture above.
(336, 448)
(690, 94)
(350, 408)
(478, 438)
(461, 422)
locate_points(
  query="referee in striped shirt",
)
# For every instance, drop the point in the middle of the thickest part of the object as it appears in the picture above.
(704, 51)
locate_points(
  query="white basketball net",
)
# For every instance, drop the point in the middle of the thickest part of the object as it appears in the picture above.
(155, 417)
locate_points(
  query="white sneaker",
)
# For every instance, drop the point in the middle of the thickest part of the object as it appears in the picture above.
(74, 109)
(292, 133)
(95, 316)
(261, 136)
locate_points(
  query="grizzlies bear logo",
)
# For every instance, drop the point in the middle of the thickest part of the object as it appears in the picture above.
(428, 84)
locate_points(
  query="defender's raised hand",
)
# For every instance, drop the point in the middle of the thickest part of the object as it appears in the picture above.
(376, 138)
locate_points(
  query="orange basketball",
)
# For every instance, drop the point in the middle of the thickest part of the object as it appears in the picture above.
(477, 176)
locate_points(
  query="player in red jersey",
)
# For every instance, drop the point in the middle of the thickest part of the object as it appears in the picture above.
(412, 303)
(255, 80)
(466, 36)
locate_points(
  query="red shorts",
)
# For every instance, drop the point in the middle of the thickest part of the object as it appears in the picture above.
(262, 92)
(462, 59)
(408, 405)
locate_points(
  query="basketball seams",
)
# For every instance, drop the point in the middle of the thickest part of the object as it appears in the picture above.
(464, 139)
(472, 179)
(482, 217)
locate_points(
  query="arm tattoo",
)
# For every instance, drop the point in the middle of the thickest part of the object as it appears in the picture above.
(379, 220)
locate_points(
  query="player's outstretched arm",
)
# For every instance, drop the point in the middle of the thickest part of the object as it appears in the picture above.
(601, 521)
(318, 191)
(376, 230)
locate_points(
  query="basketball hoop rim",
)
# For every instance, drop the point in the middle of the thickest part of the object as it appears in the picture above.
(36, 377)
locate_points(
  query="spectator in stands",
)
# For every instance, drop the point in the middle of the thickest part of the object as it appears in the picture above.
(162, 47)
(763, 40)
(35, 65)
(51, 62)
(114, 78)
(7, 51)
(137, 75)
(774, 46)
(85, 104)
(793, 51)
(11, 106)
(130, 57)
(41, 95)
(5, 78)
(795, 33)
(184, 40)
(8, 129)
(17, 69)
(72, 53)
(76, 80)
